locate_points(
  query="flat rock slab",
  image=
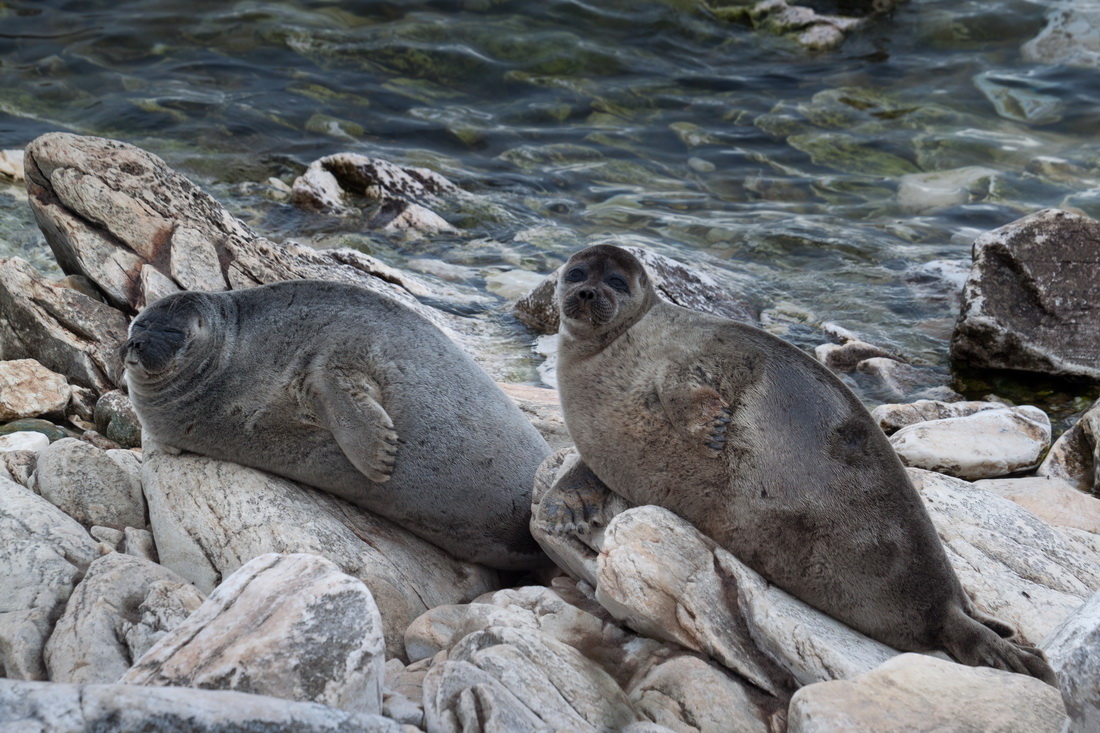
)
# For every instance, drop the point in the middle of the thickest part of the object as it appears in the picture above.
(1032, 301)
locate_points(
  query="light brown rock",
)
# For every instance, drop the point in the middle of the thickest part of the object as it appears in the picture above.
(1053, 500)
(28, 389)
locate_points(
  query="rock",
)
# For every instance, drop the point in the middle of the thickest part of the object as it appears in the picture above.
(893, 417)
(1032, 301)
(61, 708)
(92, 486)
(1055, 501)
(1071, 36)
(676, 282)
(459, 696)
(43, 555)
(919, 193)
(33, 424)
(28, 389)
(985, 444)
(1012, 564)
(512, 284)
(1073, 649)
(66, 331)
(289, 626)
(913, 692)
(116, 420)
(11, 165)
(896, 379)
(1075, 456)
(118, 611)
(24, 440)
(210, 517)
(433, 631)
(19, 465)
(846, 357)
(543, 408)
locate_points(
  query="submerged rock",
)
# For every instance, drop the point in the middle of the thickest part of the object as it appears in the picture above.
(1032, 301)
(1071, 36)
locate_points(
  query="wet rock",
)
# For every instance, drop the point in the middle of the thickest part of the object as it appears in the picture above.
(118, 611)
(919, 193)
(116, 419)
(512, 284)
(66, 331)
(24, 440)
(62, 708)
(290, 626)
(1020, 97)
(1071, 36)
(897, 380)
(846, 357)
(675, 282)
(985, 444)
(893, 417)
(47, 428)
(814, 30)
(208, 521)
(93, 486)
(28, 389)
(916, 692)
(938, 281)
(43, 553)
(1073, 649)
(1031, 301)
(1053, 500)
(1012, 564)
(1075, 456)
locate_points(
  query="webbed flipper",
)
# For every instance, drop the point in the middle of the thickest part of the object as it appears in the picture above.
(348, 404)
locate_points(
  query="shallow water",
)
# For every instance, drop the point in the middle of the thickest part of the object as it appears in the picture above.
(653, 121)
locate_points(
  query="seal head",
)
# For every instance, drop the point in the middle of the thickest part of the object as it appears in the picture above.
(603, 291)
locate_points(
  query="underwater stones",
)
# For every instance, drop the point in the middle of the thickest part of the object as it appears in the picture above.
(919, 193)
(1071, 36)
(1032, 300)
(851, 154)
(1019, 98)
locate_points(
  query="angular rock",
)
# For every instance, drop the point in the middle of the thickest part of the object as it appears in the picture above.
(1032, 301)
(1073, 649)
(118, 611)
(93, 486)
(1055, 501)
(1075, 456)
(210, 517)
(61, 708)
(66, 331)
(1012, 564)
(28, 389)
(914, 692)
(676, 282)
(18, 465)
(289, 626)
(1071, 36)
(893, 417)
(986, 444)
(43, 555)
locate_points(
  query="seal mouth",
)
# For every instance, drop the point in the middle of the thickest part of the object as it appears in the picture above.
(588, 305)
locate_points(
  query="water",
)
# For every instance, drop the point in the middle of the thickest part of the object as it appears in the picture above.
(659, 121)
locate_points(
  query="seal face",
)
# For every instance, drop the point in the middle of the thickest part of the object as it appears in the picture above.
(767, 452)
(349, 391)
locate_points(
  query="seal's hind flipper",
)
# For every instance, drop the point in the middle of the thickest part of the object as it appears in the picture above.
(348, 404)
(979, 644)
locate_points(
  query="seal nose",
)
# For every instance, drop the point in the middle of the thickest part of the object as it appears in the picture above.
(586, 294)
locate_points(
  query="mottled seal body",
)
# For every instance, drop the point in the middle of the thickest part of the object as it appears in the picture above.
(349, 391)
(767, 452)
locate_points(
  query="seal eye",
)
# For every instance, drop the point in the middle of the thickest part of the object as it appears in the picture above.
(618, 283)
(575, 275)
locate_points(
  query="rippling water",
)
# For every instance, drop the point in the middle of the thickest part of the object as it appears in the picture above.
(660, 121)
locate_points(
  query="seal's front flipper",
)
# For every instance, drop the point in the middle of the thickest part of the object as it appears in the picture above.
(698, 412)
(348, 405)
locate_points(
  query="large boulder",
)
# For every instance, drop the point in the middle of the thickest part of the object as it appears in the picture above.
(1032, 301)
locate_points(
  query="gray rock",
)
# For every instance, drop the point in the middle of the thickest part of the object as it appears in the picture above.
(459, 697)
(846, 357)
(118, 611)
(1071, 36)
(289, 626)
(28, 389)
(66, 331)
(116, 419)
(1075, 456)
(210, 517)
(893, 417)
(1073, 649)
(43, 555)
(93, 486)
(19, 465)
(61, 708)
(913, 692)
(1032, 301)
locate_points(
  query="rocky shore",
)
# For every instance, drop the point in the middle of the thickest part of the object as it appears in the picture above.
(148, 590)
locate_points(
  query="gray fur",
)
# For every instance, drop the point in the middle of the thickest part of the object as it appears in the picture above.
(349, 391)
(767, 452)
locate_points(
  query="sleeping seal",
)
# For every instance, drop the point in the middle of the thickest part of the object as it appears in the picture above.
(767, 452)
(349, 391)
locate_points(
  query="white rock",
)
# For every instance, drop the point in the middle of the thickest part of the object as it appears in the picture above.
(1075, 456)
(290, 626)
(914, 692)
(117, 612)
(986, 444)
(24, 440)
(43, 554)
(11, 165)
(1055, 501)
(208, 519)
(1073, 649)
(893, 417)
(433, 631)
(93, 486)
(28, 389)
(919, 193)
(1012, 564)
(460, 697)
(61, 708)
